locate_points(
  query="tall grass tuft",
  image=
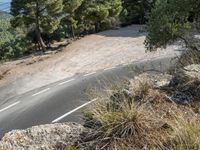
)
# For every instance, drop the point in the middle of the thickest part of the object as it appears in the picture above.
(186, 135)
(131, 126)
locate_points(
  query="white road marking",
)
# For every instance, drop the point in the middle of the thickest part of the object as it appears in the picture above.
(89, 74)
(12, 105)
(109, 68)
(41, 92)
(72, 111)
(126, 64)
(66, 82)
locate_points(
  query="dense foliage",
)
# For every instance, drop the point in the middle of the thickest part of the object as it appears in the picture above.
(134, 11)
(42, 16)
(4, 26)
(12, 41)
(100, 14)
(171, 20)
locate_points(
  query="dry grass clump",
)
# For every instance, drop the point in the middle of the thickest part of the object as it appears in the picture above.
(129, 123)
(150, 124)
(133, 126)
(192, 53)
(186, 134)
(140, 86)
(189, 57)
(187, 81)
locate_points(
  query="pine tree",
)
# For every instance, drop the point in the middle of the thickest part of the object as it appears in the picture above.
(134, 11)
(97, 12)
(42, 15)
(70, 6)
(171, 20)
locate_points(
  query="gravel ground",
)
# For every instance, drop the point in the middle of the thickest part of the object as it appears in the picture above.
(91, 53)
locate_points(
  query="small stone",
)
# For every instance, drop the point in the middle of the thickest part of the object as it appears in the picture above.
(144, 147)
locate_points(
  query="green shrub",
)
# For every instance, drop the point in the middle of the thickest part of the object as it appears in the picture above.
(134, 11)
(12, 41)
(14, 49)
(70, 148)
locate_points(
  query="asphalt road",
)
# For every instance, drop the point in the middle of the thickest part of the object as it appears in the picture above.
(63, 100)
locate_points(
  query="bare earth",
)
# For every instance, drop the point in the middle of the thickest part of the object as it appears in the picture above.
(91, 53)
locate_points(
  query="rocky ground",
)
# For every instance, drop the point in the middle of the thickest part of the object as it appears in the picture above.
(91, 53)
(161, 92)
(44, 137)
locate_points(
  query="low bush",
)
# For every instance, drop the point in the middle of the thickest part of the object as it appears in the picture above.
(15, 48)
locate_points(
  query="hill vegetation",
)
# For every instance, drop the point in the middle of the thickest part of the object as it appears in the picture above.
(148, 113)
(34, 25)
(175, 20)
(11, 43)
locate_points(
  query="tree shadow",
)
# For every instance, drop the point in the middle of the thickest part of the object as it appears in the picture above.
(48, 51)
(133, 31)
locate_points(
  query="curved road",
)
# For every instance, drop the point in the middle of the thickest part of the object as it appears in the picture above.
(63, 100)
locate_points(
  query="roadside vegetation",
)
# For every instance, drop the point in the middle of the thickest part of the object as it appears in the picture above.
(150, 112)
(154, 111)
(175, 20)
(35, 25)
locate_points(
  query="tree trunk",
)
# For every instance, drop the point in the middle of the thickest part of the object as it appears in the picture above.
(38, 32)
(40, 40)
(66, 32)
(96, 27)
(72, 31)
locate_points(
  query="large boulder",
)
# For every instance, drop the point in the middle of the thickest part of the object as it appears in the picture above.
(51, 136)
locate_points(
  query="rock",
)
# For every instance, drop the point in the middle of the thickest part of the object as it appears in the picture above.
(188, 73)
(140, 85)
(144, 148)
(181, 98)
(155, 80)
(192, 71)
(51, 136)
(187, 82)
(137, 88)
(126, 93)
